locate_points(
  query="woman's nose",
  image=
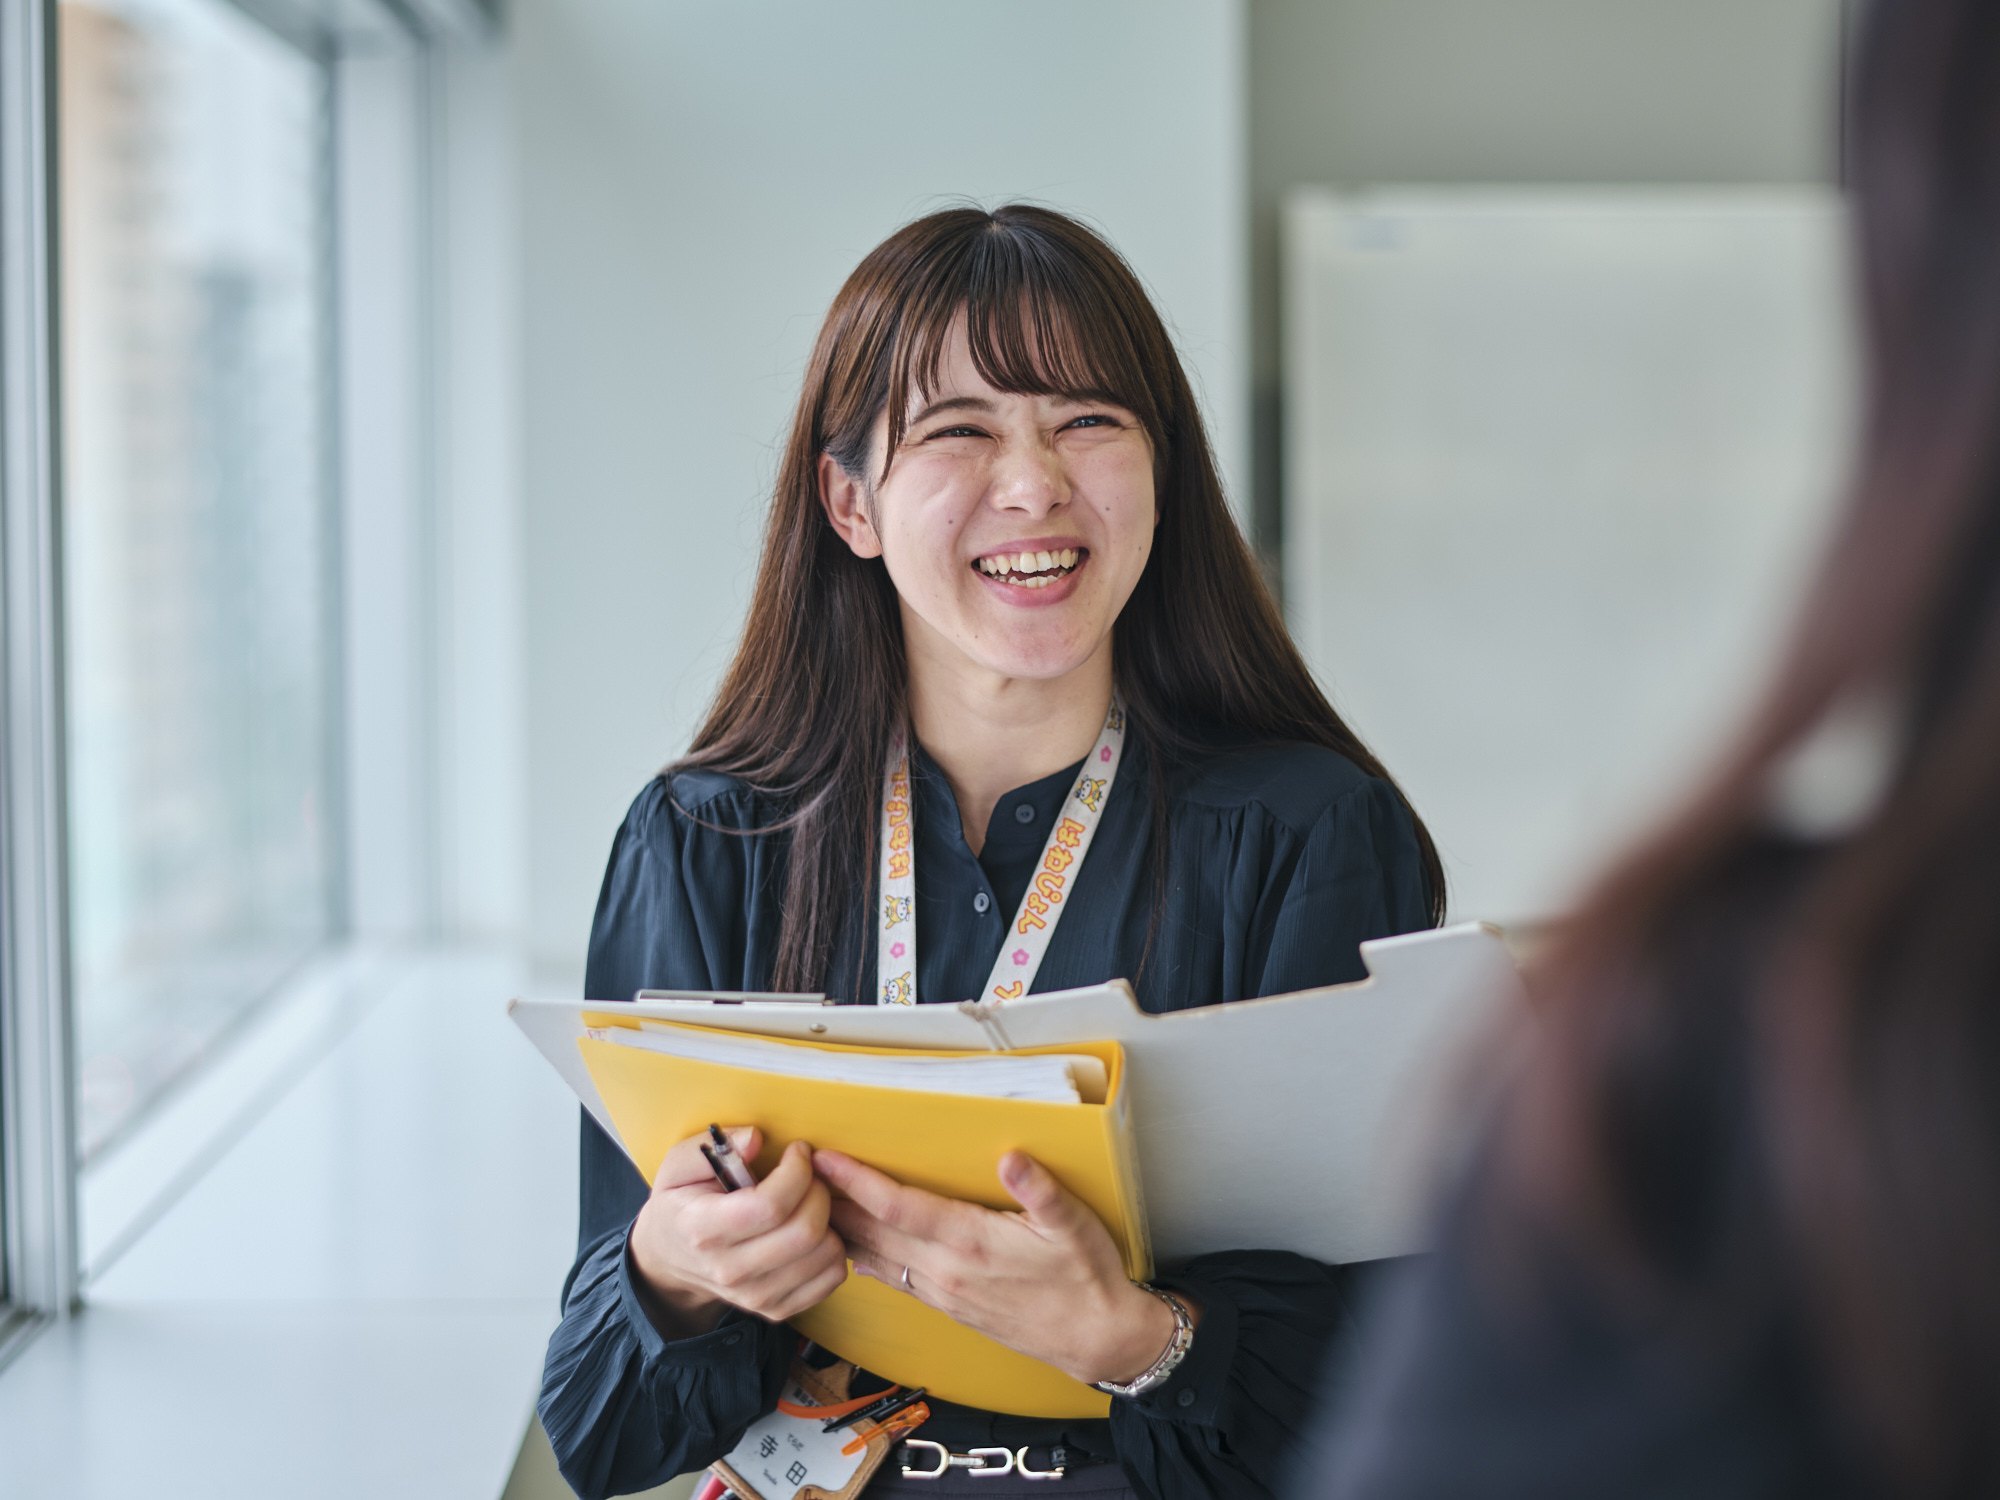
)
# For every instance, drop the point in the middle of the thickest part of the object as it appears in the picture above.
(1030, 480)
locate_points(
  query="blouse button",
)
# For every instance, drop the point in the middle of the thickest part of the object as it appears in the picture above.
(1024, 814)
(980, 901)
(1185, 1398)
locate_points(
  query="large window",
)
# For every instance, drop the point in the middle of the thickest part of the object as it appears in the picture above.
(217, 478)
(200, 663)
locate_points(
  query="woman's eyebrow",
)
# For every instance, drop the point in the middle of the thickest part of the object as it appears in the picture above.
(952, 403)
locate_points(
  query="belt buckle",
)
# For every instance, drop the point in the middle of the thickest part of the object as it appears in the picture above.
(980, 1463)
(1021, 1467)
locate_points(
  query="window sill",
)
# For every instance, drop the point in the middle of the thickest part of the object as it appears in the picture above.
(137, 1179)
(16, 1329)
(351, 1299)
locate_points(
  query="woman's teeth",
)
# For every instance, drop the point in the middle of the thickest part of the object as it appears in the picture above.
(1033, 570)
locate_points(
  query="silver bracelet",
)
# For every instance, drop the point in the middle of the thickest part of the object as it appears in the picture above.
(1176, 1350)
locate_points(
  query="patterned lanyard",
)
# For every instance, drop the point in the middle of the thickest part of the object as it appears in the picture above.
(1041, 908)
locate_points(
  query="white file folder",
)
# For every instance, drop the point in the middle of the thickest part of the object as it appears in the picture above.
(1307, 1122)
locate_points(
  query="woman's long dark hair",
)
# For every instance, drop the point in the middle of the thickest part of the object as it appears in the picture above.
(809, 707)
(1872, 988)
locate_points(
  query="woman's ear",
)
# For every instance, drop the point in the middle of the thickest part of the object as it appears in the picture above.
(845, 501)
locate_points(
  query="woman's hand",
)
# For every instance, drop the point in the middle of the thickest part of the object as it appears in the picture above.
(768, 1249)
(1047, 1281)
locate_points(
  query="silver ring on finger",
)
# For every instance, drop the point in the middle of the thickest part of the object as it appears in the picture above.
(906, 1279)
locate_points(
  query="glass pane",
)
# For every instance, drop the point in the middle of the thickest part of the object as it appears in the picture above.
(195, 354)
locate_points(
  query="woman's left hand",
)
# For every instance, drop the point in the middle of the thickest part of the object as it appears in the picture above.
(1047, 1281)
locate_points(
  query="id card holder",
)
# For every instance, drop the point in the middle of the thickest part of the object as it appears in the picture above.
(789, 1456)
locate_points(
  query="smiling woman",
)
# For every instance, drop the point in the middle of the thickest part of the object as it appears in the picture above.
(1013, 711)
(963, 514)
(1014, 526)
(1040, 306)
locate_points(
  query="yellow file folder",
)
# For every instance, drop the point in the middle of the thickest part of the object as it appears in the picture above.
(946, 1143)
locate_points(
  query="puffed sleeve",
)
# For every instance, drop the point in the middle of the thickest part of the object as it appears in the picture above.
(1356, 875)
(624, 1407)
(1227, 1422)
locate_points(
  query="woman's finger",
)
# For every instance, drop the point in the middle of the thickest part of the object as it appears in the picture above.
(798, 1237)
(755, 1211)
(888, 1275)
(853, 1179)
(1050, 1207)
(899, 1209)
(813, 1292)
(868, 1238)
(779, 1287)
(817, 1205)
(685, 1166)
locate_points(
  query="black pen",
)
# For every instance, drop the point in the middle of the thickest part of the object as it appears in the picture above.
(724, 1162)
(887, 1405)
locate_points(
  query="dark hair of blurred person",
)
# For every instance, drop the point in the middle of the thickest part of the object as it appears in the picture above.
(1736, 1229)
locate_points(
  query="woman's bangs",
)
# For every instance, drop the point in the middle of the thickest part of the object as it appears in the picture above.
(1030, 329)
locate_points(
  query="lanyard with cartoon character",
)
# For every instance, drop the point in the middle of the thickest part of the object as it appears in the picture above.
(1041, 908)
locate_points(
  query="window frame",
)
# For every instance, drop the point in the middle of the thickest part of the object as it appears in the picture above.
(38, 1179)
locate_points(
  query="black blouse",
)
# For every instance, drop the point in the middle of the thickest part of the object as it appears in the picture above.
(1280, 861)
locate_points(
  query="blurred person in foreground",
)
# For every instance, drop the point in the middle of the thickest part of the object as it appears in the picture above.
(1734, 1226)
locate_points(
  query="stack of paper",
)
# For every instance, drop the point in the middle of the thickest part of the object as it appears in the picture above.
(1051, 1079)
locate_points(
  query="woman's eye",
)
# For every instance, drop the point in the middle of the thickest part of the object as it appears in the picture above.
(948, 432)
(1095, 419)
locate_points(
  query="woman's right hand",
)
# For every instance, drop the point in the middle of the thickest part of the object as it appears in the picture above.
(768, 1250)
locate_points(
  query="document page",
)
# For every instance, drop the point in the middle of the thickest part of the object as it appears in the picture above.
(1069, 1078)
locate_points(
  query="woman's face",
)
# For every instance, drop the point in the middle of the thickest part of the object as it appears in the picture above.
(1014, 527)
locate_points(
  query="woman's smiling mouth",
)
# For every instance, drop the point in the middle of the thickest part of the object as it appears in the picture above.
(1032, 569)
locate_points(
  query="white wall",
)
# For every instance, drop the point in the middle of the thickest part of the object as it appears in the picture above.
(1347, 93)
(1558, 460)
(694, 181)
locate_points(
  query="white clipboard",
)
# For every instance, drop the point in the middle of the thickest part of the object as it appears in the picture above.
(1309, 1122)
